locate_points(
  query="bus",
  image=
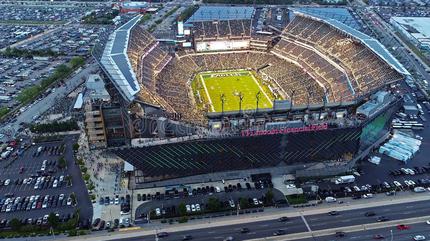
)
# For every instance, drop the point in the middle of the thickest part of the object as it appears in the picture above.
(402, 127)
(418, 126)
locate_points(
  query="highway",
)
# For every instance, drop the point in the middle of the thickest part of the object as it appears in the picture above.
(310, 223)
(397, 235)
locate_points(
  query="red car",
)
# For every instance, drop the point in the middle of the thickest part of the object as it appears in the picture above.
(378, 236)
(402, 227)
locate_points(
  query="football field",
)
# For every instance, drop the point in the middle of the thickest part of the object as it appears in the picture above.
(231, 85)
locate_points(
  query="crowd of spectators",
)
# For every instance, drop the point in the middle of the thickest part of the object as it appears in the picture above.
(222, 29)
(342, 61)
(146, 56)
(325, 64)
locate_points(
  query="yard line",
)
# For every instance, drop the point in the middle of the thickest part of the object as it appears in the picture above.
(207, 93)
(261, 89)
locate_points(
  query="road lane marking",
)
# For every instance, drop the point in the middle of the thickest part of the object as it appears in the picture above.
(306, 223)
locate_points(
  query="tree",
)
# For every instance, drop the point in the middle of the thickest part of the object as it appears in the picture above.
(73, 197)
(53, 220)
(15, 224)
(75, 146)
(62, 163)
(269, 196)
(244, 203)
(182, 209)
(77, 61)
(213, 204)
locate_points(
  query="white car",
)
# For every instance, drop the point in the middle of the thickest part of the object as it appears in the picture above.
(368, 195)
(116, 201)
(193, 207)
(419, 237)
(255, 200)
(217, 189)
(7, 182)
(231, 202)
(188, 207)
(55, 184)
(69, 201)
(428, 222)
(410, 171)
(397, 184)
(158, 212)
(61, 197)
(198, 207)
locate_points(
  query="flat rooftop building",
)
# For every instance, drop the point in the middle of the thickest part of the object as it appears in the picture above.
(416, 29)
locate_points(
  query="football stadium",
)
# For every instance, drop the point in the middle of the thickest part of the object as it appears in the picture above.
(310, 99)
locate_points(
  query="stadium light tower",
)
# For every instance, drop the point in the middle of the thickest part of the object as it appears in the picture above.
(240, 95)
(310, 93)
(292, 98)
(257, 98)
(222, 97)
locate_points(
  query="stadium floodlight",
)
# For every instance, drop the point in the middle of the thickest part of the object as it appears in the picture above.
(310, 93)
(293, 91)
(257, 98)
(222, 98)
(240, 95)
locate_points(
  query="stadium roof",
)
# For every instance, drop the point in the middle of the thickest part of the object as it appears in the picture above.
(116, 63)
(371, 43)
(208, 13)
(340, 14)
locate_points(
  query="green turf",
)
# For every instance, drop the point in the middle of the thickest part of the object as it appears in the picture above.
(241, 82)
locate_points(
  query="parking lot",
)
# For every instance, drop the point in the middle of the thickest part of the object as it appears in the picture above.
(18, 74)
(40, 13)
(15, 33)
(35, 185)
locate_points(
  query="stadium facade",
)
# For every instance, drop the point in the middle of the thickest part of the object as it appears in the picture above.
(331, 82)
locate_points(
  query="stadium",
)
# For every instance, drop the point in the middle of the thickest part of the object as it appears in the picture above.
(311, 100)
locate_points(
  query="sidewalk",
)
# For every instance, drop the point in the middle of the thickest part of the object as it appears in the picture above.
(267, 215)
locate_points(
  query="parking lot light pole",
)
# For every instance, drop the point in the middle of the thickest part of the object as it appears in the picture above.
(391, 233)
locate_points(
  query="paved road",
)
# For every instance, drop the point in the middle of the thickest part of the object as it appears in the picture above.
(403, 235)
(302, 224)
(48, 101)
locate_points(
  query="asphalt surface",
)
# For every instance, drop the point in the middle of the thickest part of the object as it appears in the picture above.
(202, 199)
(31, 165)
(398, 235)
(40, 107)
(305, 223)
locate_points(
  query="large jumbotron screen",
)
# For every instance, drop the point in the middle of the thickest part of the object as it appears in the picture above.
(221, 45)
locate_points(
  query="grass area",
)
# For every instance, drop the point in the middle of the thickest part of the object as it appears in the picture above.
(209, 87)
(296, 199)
(3, 111)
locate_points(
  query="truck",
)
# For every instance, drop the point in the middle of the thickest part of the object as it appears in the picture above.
(345, 179)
